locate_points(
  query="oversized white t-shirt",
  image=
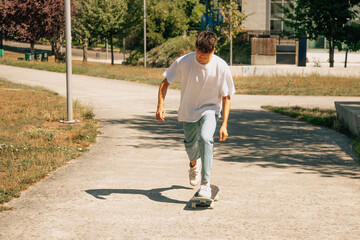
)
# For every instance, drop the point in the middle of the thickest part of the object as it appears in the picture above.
(202, 85)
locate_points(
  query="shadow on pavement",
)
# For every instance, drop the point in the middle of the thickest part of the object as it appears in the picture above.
(272, 140)
(153, 194)
(167, 134)
(260, 138)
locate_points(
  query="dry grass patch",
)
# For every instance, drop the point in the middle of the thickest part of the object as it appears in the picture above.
(314, 85)
(32, 140)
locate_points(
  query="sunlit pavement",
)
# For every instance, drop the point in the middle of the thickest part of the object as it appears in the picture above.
(278, 178)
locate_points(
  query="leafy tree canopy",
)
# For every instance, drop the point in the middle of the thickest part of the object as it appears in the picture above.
(165, 19)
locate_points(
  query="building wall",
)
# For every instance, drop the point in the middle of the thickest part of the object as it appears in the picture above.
(258, 14)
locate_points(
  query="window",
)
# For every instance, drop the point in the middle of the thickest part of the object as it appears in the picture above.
(275, 25)
(276, 12)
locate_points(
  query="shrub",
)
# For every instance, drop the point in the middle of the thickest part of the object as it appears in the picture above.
(134, 57)
(166, 53)
(241, 52)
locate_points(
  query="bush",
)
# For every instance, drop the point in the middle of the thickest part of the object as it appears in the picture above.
(241, 52)
(134, 57)
(166, 53)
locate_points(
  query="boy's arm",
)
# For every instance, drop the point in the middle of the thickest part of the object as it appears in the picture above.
(226, 111)
(160, 112)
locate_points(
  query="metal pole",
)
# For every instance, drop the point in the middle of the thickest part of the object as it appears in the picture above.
(347, 45)
(346, 56)
(107, 49)
(144, 33)
(68, 60)
(231, 43)
(124, 50)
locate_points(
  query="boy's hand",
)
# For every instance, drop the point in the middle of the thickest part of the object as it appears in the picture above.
(223, 134)
(160, 114)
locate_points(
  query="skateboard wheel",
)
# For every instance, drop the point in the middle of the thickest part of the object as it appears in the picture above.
(193, 205)
(211, 205)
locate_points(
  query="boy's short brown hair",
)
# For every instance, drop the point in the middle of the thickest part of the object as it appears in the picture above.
(206, 42)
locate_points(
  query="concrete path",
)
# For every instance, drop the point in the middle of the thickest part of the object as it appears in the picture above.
(278, 178)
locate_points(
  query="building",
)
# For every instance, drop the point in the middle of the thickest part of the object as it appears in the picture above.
(261, 15)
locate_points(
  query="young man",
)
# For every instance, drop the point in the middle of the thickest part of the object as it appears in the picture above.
(206, 87)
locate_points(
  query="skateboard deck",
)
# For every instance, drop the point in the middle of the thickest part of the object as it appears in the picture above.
(197, 201)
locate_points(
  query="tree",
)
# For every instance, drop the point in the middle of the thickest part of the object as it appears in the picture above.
(232, 16)
(54, 21)
(37, 19)
(328, 18)
(6, 20)
(165, 19)
(194, 11)
(231, 26)
(82, 25)
(29, 21)
(108, 18)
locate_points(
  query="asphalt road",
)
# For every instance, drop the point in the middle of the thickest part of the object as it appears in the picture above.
(278, 178)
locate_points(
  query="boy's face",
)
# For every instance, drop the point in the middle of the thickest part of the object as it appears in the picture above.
(203, 58)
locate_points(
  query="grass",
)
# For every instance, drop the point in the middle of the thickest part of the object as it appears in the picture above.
(313, 85)
(32, 140)
(321, 117)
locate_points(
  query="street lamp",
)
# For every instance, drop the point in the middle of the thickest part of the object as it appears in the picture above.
(144, 33)
(231, 43)
(68, 61)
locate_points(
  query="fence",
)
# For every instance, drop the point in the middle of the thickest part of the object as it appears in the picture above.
(285, 47)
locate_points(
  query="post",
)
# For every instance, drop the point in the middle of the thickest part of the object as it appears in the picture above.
(1, 41)
(124, 49)
(107, 49)
(346, 56)
(68, 60)
(231, 47)
(347, 45)
(301, 58)
(144, 33)
(1, 54)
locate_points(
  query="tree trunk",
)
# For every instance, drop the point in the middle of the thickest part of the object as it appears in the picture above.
(331, 51)
(85, 50)
(32, 46)
(55, 46)
(1, 41)
(112, 49)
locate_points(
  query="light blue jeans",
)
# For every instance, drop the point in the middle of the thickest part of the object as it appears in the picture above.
(199, 142)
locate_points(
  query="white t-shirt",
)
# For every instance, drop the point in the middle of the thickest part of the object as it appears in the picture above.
(202, 85)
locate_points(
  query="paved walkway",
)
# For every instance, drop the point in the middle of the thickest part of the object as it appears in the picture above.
(278, 178)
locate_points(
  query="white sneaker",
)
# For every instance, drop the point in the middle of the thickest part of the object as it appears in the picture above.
(194, 173)
(205, 190)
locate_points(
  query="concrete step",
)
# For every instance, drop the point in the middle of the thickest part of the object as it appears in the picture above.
(349, 112)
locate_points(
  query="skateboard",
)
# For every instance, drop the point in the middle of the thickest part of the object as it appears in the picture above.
(197, 201)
